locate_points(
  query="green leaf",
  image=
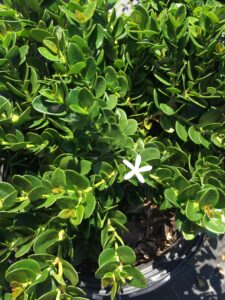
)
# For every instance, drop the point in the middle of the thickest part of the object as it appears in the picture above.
(162, 80)
(45, 240)
(69, 14)
(90, 203)
(34, 139)
(75, 291)
(138, 280)
(24, 117)
(23, 53)
(105, 268)
(37, 193)
(67, 201)
(3, 61)
(44, 260)
(112, 102)
(51, 46)
(79, 298)
(22, 183)
(74, 54)
(26, 270)
(126, 255)
(29, 264)
(131, 128)
(8, 195)
(194, 135)
(100, 36)
(75, 179)
(42, 278)
(34, 5)
(87, 12)
(86, 98)
(171, 196)
(181, 131)
(209, 198)
(15, 90)
(34, 80)
(119, 225)
(39, 34)
(5, 105)
(58, 178)
(78, 109)
(149, 154)
(173, 90)
(111, 78)
(90, 71)
(168, 110)
(104, 169)
(65, 213)
(85, 166)
(107, 255)
(100, 87)
(77, 68)
(193, 211)
(24, 249)
(49, 296)
(189, 192)
(108, 280)
(119, 216)
(13, 53)
(22, 275)
(47, 54)
(70, 273)
(124, 85)
(215, 224)
(40, 104)
(78, 215)
(50, 200)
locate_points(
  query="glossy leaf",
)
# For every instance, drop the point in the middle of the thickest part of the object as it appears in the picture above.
(41, 105)
(70, 273)
(58, 178)
(215, 223)
(47, 54)
(181, 131)
(193, 211)
(106, 256)
(138, 279)
(45, 240)
(126, 255)
(168, 110)
(106, 267)
(209, 198)
(48, 296)
(77, 68)
(75, 179)
(90, 203)
(74, 54)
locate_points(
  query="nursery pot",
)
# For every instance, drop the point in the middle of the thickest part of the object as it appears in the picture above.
(157, 273)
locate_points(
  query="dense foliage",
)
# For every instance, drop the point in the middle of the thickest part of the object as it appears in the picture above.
(82, 89)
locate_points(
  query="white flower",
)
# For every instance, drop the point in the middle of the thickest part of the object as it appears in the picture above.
(135, 169)
(124, 7)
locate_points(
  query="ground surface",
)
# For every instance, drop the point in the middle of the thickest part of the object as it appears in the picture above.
(203, 277)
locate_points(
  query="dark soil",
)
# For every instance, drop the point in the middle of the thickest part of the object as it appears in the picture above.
(151, 232)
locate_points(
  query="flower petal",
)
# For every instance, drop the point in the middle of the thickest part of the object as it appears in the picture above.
(145, 168)
(140, 177)
(128, 164)
(137, 161)
(129, 175)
